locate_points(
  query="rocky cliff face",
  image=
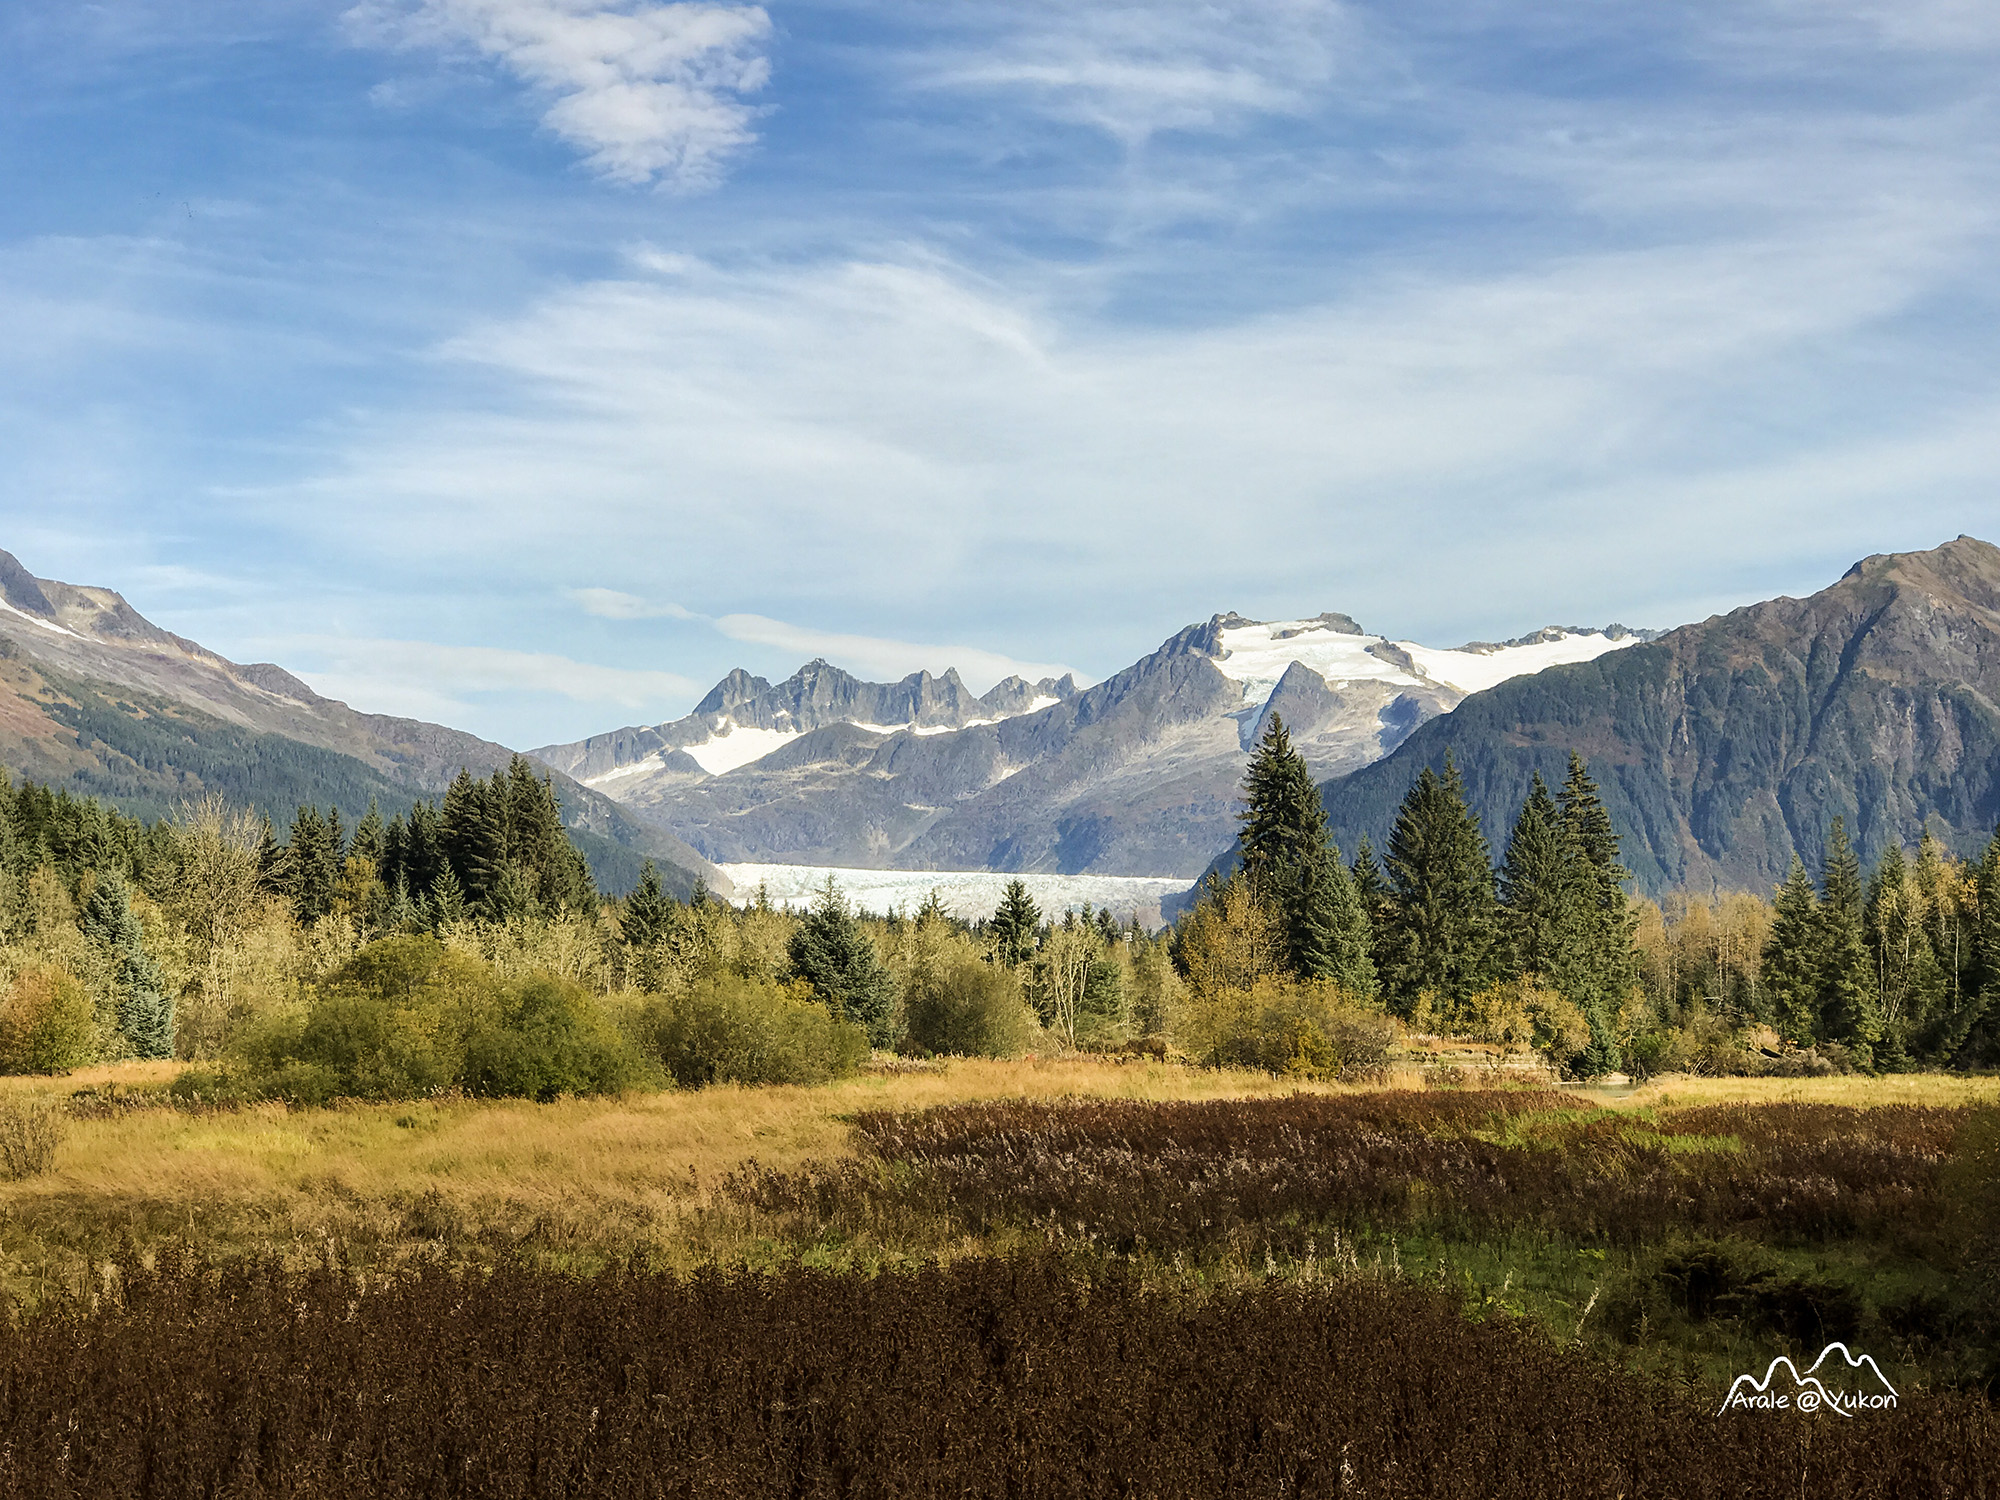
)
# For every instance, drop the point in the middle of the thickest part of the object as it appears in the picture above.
(1726, 746)
(96, 697)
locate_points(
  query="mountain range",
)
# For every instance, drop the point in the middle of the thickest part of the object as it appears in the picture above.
(1723, 747)
(1136, 775)
(96, 698)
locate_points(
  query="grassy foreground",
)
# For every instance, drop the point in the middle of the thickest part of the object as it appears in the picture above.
(581, 1181)
(1073, 1276)
(577, 1182)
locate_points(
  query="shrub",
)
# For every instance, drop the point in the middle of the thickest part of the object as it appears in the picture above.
(30, 1131)
(407, 1017)
(733, 1030)
(1302, 1030)
(972, 1009)
(46, 1024)
(549, 1038)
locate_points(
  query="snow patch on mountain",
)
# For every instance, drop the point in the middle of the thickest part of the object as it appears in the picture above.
(734, 746)
(1258, 655)
(1473, 669)
(38, 620)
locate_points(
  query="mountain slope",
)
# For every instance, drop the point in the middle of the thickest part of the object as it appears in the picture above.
(95, 697)
(1135, 776)
(1725, 746)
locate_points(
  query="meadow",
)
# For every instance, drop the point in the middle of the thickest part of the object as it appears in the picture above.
(1041, 1276)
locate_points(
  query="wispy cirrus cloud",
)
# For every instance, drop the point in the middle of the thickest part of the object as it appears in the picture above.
(613, 604)
(874, 656)
(868, 655)
(428, 680)
(1133, 70)
(648, 92)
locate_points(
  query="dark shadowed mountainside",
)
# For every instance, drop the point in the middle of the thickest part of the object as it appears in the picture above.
(1726, 746)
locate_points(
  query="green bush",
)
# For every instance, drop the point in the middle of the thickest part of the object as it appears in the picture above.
(46, 1023)
(1313, 1030)
(407, 1017)
(549, 1038)
(972, 1009)
(736, 1030)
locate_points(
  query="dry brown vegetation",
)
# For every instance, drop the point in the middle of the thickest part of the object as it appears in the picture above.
(986, 1377)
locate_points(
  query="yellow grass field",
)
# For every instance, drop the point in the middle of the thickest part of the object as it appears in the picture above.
(577, 1180)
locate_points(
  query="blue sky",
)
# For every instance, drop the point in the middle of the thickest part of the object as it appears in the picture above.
(526, 364)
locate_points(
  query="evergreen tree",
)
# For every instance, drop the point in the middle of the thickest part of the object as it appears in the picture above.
(311, 865)
(1608, 963)
(371, 839)
(1442, 927)
(1016, 924)
(1847, 1009)
(648, 913)
(1294, 868)
(1542, 896)
(472, 836)
(1792, 957)
(833, 953)
(447, 904)
(423, 849)
(144, 1013)
(270, 860)
(1283, 820)
(1956, 1035)
(1371, 889)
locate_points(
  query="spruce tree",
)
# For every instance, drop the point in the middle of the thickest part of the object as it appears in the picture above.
(1283, 820)
(1847, 1010)
(1543, 897)
(371, 839)
(833, 953)
(1608, 961)
(472, 836)
(1442, 924)
(648, 914)
(1792, 957)
(144, 1013)
(1016, 924)
(423, 850)
(1957, 1034)
(1371, 889)
(311, 868)
(1294, 868)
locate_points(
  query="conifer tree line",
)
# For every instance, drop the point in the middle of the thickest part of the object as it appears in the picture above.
(1899, 970)
(490, 850)
(464, 936)
(197, 935)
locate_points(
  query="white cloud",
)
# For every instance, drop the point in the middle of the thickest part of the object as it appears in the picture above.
(645, 91)
(871, 656)
(430, 681)
(1135, 69)
(611, 604)
(867, 440)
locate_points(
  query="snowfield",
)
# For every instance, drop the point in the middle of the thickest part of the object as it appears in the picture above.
(970, 894)
(1258, 655)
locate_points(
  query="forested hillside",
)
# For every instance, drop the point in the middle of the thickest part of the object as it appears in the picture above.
(97, 699)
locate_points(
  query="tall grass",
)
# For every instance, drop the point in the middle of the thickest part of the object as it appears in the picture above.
(31, 1128)
(983, 1378)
